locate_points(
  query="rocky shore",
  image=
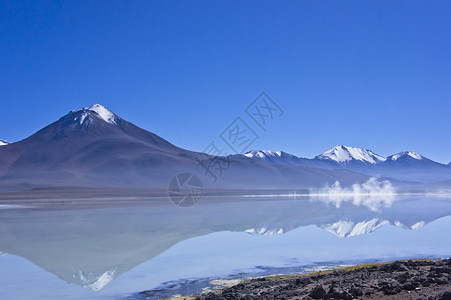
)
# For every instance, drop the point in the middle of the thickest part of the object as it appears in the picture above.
(421, 279)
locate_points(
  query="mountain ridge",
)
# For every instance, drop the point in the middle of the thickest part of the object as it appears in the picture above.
(404, 165)
(93, 147)
(345, 154)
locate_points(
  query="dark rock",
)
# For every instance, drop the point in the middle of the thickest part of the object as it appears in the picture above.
(402, 278)
(441, 280)
(391, 289)
(441, 270)
(331, 288)
(381, 283)
(355, 291)
(318, 292)
(303, 281)
(399, 266)
(410, 286)
(213, 296)
(228, 293)
(421, 279)
(339, 272)
(258, 279)
(425, 283)
(345, 295)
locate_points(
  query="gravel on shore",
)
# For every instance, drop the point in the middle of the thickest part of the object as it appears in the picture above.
(413, 279)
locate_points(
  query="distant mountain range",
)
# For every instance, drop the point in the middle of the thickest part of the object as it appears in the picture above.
(406, 165)
(93, 147)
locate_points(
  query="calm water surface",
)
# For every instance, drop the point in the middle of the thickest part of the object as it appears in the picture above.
(118, 251)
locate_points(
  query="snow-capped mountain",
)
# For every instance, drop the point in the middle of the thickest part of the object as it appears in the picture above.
(409, 165)
(90, 147)
(404, 155)
(284, 158)
(268, 156)
(96, 111)
(405, 166)
(94, 147)
(264, 231)
(345, 154)
(3, 142)
(263, 154)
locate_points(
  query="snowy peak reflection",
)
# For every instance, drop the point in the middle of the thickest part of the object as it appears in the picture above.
(347, 228)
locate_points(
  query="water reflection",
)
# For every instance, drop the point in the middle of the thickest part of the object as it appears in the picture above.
(90, 247)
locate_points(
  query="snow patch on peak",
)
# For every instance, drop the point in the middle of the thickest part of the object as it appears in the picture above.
(264, 231)
(80, 119)
(263, 153)
(406, 154)
(344, 154)
(3, 142)
(101, 111)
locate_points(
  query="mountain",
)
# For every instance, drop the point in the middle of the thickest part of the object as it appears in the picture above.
(345, 154)
(93, 147)
(267, 156)
(264, 154)
(409, 165)
(338, 157)
(283, 158)
(3, 142)
(405, 155)
(89, 145)
(403, 166)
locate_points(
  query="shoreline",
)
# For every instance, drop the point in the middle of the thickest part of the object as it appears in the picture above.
(428, 279)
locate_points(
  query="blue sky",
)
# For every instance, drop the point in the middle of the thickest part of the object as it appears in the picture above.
(372, 74)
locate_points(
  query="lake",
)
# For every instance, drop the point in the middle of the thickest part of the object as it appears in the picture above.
(150, 248)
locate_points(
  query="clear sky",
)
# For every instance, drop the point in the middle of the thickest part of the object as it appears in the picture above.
(371, 74)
